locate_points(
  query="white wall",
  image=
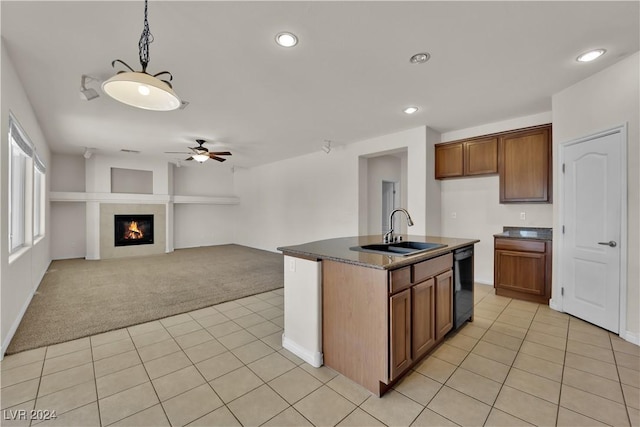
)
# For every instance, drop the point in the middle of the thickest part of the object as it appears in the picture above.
(98, 171)
(476, 202)
(603, 101)
(320, 196)
(201, 224)
(434, 187)
(131, 181)
(67, 173)
(207, 179)
(68, 230)
(67, 218)
(20, 278)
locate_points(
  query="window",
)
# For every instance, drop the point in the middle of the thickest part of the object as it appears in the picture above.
(38, 198)
(20, 180)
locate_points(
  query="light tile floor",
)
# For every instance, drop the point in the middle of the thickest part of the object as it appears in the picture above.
(518, 363)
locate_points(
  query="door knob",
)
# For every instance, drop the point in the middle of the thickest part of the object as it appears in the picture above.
(610, 243)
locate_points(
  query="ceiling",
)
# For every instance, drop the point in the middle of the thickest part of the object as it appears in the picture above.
(348, 79)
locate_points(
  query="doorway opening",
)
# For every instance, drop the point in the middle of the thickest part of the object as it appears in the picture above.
(390, 201)
(383, 187)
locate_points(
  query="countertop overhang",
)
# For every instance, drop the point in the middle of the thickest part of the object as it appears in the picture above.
(526, 233)
(338, 250)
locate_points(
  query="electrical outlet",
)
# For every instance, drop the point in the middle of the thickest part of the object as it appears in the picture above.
(292, 264)
(523, 216)
(454, 215)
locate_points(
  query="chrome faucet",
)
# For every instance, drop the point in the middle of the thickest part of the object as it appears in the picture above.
(388, 236)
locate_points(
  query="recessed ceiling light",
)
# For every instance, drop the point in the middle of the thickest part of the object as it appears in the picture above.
(420, 58)
(410, 110)
(286, 39)
(591, 55)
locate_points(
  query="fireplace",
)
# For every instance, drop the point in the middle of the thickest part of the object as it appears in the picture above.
(133, 230)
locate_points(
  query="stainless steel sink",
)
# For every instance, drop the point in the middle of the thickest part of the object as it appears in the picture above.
(398, 248)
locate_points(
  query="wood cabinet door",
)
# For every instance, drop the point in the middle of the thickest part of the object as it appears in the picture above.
(444, 303)
(423, 317)
(449, 160)
(400, 332)
(522, 272)
(525, 166)
(481, 156)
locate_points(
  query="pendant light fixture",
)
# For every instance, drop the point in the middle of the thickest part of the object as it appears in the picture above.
(139, 88)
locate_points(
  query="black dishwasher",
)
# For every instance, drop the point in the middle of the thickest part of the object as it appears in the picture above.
(462, 286)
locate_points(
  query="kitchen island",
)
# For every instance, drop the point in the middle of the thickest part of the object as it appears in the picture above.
(369, 316)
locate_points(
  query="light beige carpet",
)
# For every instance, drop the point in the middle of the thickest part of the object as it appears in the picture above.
(78, 298)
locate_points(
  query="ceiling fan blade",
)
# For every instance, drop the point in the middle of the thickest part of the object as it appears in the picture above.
(220, 153)
(198, 150)
(189, 158)
(220, 159)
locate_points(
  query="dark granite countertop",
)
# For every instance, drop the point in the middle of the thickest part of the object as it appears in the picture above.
(529, 233)
(338, 250)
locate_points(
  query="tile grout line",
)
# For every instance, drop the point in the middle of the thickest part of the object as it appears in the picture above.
(150, 382)
(564, 364)
(35, 401)
(624, 398)
(95, 382)
(510, 367)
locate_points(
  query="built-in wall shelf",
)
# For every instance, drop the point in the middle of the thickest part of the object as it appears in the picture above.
(68, 196)
(207, 200)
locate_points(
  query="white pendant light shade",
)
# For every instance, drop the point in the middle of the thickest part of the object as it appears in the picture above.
(200, 158)
(141, 90)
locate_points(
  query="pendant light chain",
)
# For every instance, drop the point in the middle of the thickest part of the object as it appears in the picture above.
(145, 38)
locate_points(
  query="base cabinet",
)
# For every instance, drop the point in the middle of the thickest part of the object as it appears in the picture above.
(377, 324)
(400, 332)
(423, 320)
(444, 302)
(522, 269)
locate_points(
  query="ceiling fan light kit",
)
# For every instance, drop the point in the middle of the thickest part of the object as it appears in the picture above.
(201, 154)
(138, 88)
(200, 158)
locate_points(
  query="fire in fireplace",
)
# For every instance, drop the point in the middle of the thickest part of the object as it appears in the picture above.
(133, 230)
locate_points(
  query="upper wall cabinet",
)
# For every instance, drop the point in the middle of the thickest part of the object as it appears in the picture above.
(449, 160)
(522, 157)
(477, 156)
(481, 156)
(525, 166)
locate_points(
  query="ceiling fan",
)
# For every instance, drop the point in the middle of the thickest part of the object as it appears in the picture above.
(202, 154)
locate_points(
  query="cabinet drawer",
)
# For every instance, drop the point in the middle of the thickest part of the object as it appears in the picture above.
(520, 245)
(431, 267)
(399, 279)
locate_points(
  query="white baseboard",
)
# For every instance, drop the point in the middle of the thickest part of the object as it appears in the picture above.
(632, 337)
(484, 282)
(313, 358)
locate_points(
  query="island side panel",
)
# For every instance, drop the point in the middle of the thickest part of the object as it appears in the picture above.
(354, 322)
(303, 309)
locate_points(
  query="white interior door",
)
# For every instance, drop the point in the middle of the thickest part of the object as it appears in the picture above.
(592, 220)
